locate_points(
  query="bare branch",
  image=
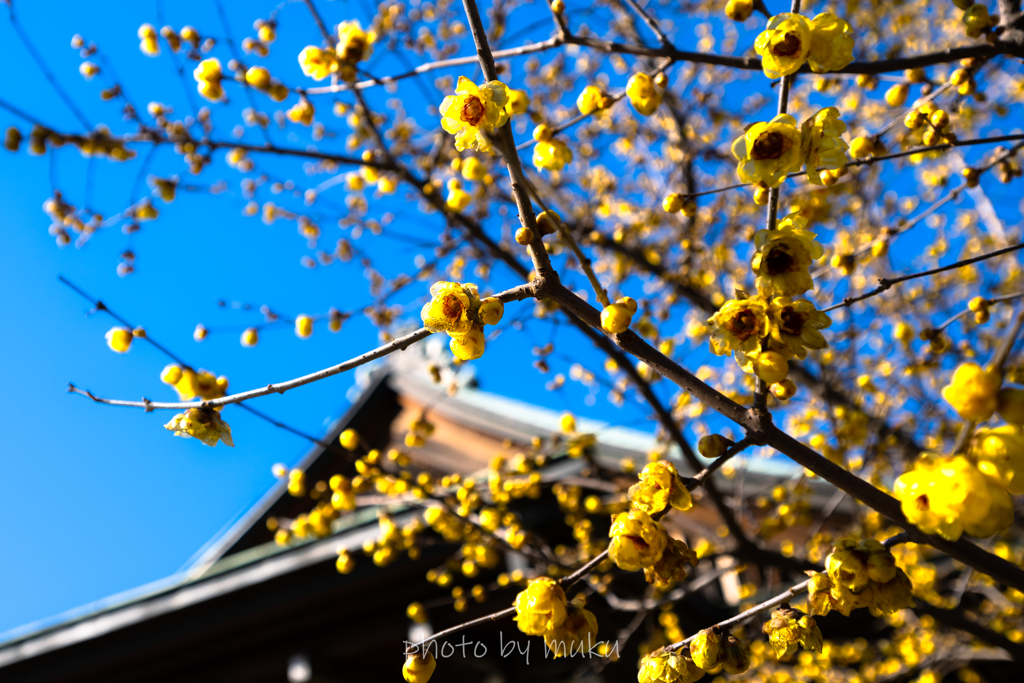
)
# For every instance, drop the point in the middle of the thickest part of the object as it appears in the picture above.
(515, 294)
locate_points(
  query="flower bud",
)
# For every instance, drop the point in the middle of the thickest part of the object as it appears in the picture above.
(419, 668)
(615, 318)
(734, 656)
(704, 649)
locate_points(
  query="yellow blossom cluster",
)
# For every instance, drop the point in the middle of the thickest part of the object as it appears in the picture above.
(354, 45)
(766, 330)
(860, 574)
(458, 310)
(789, 629)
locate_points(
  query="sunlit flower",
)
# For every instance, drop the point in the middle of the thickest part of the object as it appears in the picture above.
(318, 63)
(354, 44)
(551, 154)
(797, 324)
(659, 488)
(450, 307)
(739, 325)
(208, 77)
(784, 45)
(541, 607)
(784, 256)
(768, 151)
(473, 112)
(831, 43)
(577, 633)
(822, 145)
(203, 424)
(518, 102)
(944, 495)
(643, 94)
(973, 391)
(119, 339)
(637, 540)
(592, 99)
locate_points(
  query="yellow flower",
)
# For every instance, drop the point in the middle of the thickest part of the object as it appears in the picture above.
(973, 391)
(258, 77)
(472, 169)
(452, 308)
(643, 94)
(944, 495)
(831, 43)
(473, 112)
(999, 454)
(797, 324)
(354, 44)
(822, 145)
(349, 439)
(541, 607)
(345, 563)
(659, 487)
(734, 656)
(578, 633)
(671, 568)
(784, 256)
(469, 346)
(664, 667)
(302, 112)
(704, 649)
(203, 424)
(518, 102)
(318, 63)
(788, 629)
(119, 339)
(148, 37)
(771, 366)
(739, 10)
(491, 311)
(190, 384)
(417, 668)
(739, 325)
(592, 99)
(208, 76)
(784, 45)
(458, 199)
(551, 154)
(768, 151)
(887, 598)
(847, 565)
(637, 540)
(976, 18)
(250, 337)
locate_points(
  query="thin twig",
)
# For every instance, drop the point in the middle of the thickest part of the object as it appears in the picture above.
(884, 284)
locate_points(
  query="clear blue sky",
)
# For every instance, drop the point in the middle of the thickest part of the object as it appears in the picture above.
(98, 500)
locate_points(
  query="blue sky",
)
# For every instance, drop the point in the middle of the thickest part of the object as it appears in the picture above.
(97, 499)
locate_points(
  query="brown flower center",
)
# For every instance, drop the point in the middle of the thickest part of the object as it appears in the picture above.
(788, 46)
(354, 49)
(743, 325)
(780, 260)
(922, 502)
(769, 145)
(638, 542)
(452, 307)
(793, 321)
(472, 110)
